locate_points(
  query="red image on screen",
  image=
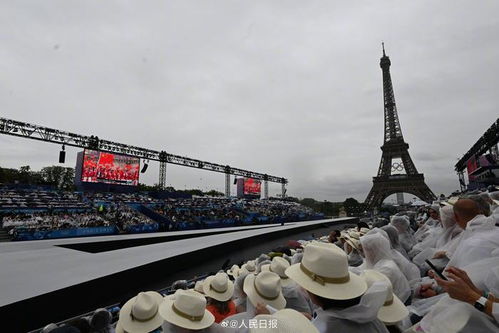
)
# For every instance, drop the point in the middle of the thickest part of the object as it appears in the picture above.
(99, 167)
(252, 186)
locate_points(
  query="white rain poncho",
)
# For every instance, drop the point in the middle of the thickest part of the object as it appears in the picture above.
(358, 318)
(477, 242)
(452, 316)
(401, 223)
(354, 258)
(378, 256)
(296, 299)
(410, 271)
(423, 231)
(393, 235)
(447, 241)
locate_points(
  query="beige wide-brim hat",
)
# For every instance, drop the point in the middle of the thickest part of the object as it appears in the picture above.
(264, 288)
(279, 266)
(284, 321)
(188, 310)
(141, 313)
(393, 310)
(354, 243)
(218, 287)
(233, 271)
(250, 266)
(324, 272)
(364, 231)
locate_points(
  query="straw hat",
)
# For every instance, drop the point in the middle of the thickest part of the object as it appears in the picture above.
(140, 313)
(218, 287)
(188, 310)
(354, 243)
(233, 271)
(265, 288)
(279, 266)
(393, 310)
(324, 272)
(199, 286)
(284, 321)
(364, 231)
(353, 234)
(249, 266)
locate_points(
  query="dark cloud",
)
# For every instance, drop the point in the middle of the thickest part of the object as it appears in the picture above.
(288, 89)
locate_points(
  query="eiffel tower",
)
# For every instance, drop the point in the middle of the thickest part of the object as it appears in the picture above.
(394, 147)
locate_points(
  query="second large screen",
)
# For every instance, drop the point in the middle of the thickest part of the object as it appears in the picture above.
(252, 187)
(99, 167)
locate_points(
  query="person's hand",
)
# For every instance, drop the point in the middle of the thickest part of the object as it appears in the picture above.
(463, 276)
(261, 309)
(427, 291)
(439, 255)
(458, 289)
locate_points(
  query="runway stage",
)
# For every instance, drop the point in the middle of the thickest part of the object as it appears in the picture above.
(56, 279)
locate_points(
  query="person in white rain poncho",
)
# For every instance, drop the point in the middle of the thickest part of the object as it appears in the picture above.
(444, 245)
(410, 270)
(494, 207)
(378, 256)
(295, 299)
(393, 235)
(456, 312)
(479, 238)
(345, 303)
(432, 221)
(401, 223)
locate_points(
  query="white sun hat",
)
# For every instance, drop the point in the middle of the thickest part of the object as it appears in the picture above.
(324, 272)
(353, 242)
(279, 266)
(199, 286)
(188, 310)
(233, 271)
(250, 266)
(283, 321)
(140, 313)
(264, 288)
(218, 287)
(393, 310)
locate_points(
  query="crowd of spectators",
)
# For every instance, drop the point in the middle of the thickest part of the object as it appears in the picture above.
(197, 211)
(34, 210)
(362, 279)
(13, 199)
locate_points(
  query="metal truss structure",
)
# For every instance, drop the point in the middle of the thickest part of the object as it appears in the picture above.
(46, 134)
(487, 141)
(394, 147)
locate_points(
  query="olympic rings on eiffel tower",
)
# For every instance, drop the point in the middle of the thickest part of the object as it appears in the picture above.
(397, 166)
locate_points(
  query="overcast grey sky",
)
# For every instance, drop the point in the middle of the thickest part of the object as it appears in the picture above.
(289, 88)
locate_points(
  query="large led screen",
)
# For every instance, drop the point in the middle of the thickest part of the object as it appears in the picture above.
(252, 186)
(99, 167)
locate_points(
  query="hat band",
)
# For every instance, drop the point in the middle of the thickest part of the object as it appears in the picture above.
(216, 290)
(282, 277)
(262, 295)
(145, 319)
(323, 279)
(186, 315)
(389, 302)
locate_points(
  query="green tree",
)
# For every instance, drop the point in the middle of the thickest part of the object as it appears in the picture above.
(60, 177)
(214, 193)
(353, 207)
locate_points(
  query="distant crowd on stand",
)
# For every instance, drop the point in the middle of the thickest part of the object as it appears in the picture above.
(24, 212)
(362, 279)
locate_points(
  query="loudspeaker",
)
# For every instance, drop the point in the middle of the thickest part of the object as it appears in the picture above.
(144, 168)
(62, 156)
